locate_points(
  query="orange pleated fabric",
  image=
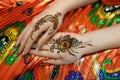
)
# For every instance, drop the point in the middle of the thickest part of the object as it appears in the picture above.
(103, 65)
(10, 13)
(111, 2)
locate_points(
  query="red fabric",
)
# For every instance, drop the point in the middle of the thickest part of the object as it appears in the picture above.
(10, 13)
(111, 2)
(74, 22)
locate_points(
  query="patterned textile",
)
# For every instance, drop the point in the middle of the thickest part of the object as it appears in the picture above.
(15, 15)
(111, 2)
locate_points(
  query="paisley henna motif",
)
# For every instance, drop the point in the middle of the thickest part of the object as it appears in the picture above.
(66, 44)
(48, 18)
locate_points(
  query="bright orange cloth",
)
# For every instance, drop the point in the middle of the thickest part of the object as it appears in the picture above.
(10, 12)
(111, 2)
(75, 21)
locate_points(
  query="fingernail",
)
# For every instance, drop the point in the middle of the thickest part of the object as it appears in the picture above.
(19, 52)
(14, 46)
(44, 61)
(23, 53)
(38, 48)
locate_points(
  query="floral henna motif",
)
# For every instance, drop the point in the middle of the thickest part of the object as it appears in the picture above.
(66, 44)
(48, 18)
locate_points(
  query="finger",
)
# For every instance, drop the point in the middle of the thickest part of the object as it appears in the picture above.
(45, 46)
(54, 61)
(45, 38)
(41, 34)
(21, 36)
(34, 46)
(60, 34)
(24, 39)
(32, 38)
(45, 53)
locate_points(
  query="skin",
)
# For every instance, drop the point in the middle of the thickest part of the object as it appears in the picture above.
(29, 35)
(98, 40)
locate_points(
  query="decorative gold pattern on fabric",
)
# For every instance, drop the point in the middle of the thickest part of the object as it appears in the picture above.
(11, 34)
(106, 15)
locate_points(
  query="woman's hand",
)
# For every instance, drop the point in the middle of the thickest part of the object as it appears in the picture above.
(63, 48)
(44, 24)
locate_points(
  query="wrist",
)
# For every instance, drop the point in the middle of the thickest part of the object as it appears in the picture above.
(68, 5)
(85, 46)
(59, 5)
